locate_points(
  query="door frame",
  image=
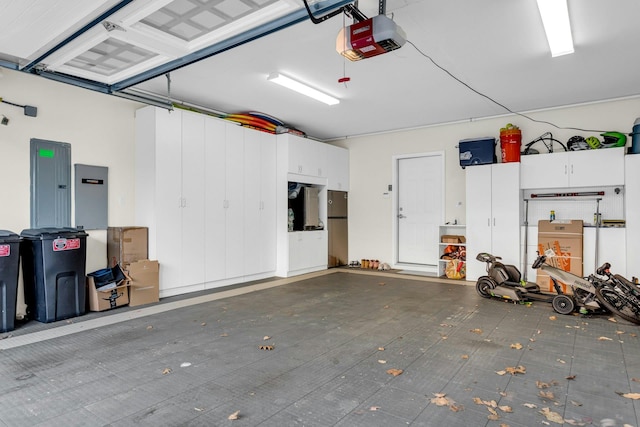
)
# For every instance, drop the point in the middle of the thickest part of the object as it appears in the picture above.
(394, 208)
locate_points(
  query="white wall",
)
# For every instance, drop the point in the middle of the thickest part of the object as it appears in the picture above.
(370, 213)
(100, 129)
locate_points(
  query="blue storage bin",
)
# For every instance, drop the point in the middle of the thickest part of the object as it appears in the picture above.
(477, 151)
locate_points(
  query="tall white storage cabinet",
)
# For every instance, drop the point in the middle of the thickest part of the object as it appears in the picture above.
(170, 174)
(493, 214)
(260, 202)
(632, 219)
(206, 190)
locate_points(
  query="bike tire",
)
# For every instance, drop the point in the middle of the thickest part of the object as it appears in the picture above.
(618, 303)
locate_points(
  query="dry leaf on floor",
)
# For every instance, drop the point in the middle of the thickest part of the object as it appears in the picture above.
(203, 324)
(574, 403)
(465, 356)
(530, 405)
(382, 361)
(266, 347)
(198, 409)
(234, 416)
(552, 317)
(547, 395)
(532, 339)
(619, 332)
(394, 372)
(440, 399)
(503, 393)
(494, 414)
(374, 408)
(633, 334)
(266, 337)
(386, 306)
(166, 371)
(501, 372)
(612, 319)
(380, 348)
(516, 346)
(456, 407)
(541, 384)
(604, 339)
(224, 335)
(444, 337)
(505, 408)
(573, 422)
(513, 370)
(504, 425)
(634, 396)
(571, 377)
(635, 379)
(381, 283)
(560, 360)
(552, 416)
(149, 327)
(478, 401)
(476, 331)
(185, 364)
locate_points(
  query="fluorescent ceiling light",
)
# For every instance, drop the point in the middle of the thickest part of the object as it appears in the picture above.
(302, 88)
(555, 17)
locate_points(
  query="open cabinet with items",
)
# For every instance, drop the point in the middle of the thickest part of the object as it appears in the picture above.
(452, 249)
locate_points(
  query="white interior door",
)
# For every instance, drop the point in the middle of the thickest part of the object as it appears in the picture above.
(419, 208)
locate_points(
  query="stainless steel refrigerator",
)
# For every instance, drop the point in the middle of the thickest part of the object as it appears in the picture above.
(337, 228)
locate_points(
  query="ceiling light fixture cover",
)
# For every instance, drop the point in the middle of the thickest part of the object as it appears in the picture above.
(302, 88)
(555, 18)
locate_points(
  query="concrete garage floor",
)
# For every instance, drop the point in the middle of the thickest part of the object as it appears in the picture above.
(195, 361)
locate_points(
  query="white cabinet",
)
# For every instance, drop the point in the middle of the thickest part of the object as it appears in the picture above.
(587, 168)
(307, 251)
(207, 193)
(493, 214)
(259, 202)
(337, 168)
(170, 163)
(449, 230)
(632, 218)
(305, 156)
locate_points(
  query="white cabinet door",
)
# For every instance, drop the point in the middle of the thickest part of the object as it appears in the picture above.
(478, 183)
(493, 215)
(545, 170)
(168, 209)
(193, 198)
(215, 197)
(505, 210)
(592, 168)
(260, 224)
(337, 168)
(306, 156)
(632, 208)
(234, 201)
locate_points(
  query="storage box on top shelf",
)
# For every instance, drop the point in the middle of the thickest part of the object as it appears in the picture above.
(144, 275)
(126, 245)
(565, 238)
(107, 289)
(477, 151)
(452, 238)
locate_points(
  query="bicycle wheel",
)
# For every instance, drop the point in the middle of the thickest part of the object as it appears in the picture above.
(619, 303)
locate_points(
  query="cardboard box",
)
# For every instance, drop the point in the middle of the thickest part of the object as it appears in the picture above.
(111, 295)
(145, 282)
(452, 238)
(565, 239)
(126, 245)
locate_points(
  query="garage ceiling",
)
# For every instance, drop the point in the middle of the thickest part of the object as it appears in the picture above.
(497, 47)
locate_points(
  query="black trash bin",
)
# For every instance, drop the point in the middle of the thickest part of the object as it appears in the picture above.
(53, 266)
(9, 266)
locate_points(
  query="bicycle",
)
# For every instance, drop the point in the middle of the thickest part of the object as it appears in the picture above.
(545, 139)
(619, 294)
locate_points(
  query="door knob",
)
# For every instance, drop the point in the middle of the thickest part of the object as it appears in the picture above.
(401, 216)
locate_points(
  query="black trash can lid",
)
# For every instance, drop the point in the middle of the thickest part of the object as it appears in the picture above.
(7, 236)
(52, 233)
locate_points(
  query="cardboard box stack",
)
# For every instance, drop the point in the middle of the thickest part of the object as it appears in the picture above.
(107, 288)
(565, 239)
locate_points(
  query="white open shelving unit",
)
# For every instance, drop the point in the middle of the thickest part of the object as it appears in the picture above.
(448, 229)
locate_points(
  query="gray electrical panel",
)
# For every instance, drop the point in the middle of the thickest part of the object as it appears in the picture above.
(92, 195)
(50, 183)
